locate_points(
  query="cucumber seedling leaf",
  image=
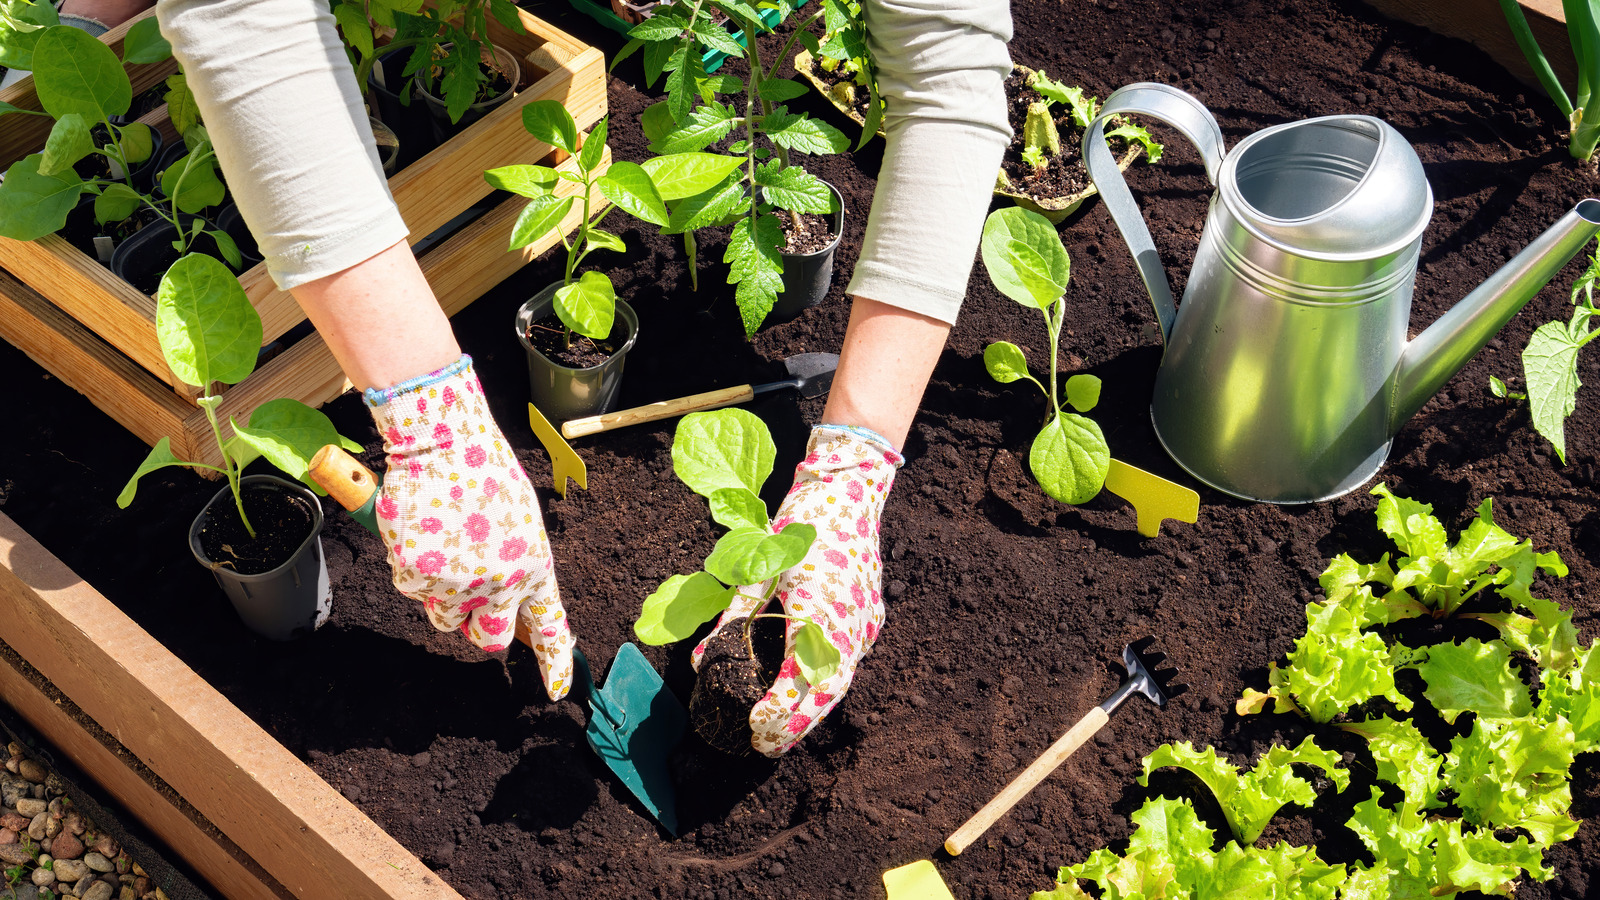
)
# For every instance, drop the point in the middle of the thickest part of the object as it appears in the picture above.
(205, 324)
(680, 606)
(724, 448)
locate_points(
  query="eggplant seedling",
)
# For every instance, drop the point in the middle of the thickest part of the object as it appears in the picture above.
(210, 333)
(725, 456)
(1028, 263)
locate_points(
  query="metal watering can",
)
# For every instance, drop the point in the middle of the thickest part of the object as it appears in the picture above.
(1287, 371)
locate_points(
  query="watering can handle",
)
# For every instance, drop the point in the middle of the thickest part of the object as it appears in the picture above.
(1181, 111)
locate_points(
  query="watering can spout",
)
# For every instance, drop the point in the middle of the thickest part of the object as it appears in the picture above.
(1430, 360)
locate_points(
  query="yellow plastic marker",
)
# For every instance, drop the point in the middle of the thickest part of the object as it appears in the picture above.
(564, 461)
(917, 881)
(1154, 498)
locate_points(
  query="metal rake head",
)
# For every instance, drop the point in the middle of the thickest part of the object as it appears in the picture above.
(1144, 677)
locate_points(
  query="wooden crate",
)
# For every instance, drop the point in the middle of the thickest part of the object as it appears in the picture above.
(108, 324)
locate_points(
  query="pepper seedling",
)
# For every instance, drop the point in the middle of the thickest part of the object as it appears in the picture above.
(1027, 262)
(210, 333)
(725, 456)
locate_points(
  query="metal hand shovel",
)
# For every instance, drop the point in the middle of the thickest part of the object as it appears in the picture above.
(634, 721)
(1143, 678)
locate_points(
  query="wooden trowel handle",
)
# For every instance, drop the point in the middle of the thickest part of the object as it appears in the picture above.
(666, 409)
(1019, 787)
(353, 484)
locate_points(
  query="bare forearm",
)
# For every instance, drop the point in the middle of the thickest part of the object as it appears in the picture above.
(380, 319)
(888, 356)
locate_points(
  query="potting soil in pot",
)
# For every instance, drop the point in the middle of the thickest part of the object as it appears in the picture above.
(281, 520)
(551, 337)
(1006, 610)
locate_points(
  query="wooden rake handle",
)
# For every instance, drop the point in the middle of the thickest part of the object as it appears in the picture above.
(666, 409)
(1019, 787)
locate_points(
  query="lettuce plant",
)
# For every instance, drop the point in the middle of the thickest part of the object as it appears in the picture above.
(1041, 140)
(210, 333)
(843, 51)
(1250, 799)
(82, 86)
(725, 456)
(765, 182)
(1027, 262)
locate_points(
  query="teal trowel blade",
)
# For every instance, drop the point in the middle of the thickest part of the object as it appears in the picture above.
(634, 722)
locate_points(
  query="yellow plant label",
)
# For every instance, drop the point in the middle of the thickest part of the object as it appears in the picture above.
(564, 461)
(1154, 498)
(917, 881)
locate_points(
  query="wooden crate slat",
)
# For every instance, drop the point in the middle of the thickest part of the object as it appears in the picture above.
(301, 831)
(217, 859)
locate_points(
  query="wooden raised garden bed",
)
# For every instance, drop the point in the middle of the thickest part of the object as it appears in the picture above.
(95, 332)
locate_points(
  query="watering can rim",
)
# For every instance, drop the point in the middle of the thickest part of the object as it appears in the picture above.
(1249, 217)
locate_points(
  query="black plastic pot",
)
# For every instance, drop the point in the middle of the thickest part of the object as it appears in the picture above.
(288, 602)
(807, 276)
(564, 393)
(444, 128)
(143, 173)
(86, 234)
(410, 123)
(232, 224)
(388, 141)
(142, 259)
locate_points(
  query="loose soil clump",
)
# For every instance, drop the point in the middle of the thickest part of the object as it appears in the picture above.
(1005, 610)
(731, 680)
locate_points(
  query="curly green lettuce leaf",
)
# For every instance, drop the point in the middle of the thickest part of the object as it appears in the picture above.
(1250, 799)
(1404, 758)
(1574, 695)
(1473, 676)
(1510, 773)
(1335, 666)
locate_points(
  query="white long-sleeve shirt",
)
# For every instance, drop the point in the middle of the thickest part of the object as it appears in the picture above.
(277, 93)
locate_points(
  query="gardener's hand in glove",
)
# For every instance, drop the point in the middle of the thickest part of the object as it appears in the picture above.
(461, 521)
(839, 487)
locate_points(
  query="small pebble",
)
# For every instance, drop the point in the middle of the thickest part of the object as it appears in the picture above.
(30, 808)
(97, 861)
(8, 836)
(896, 590)
(15, 854)
(33, 771)
(36, 828)
(776, 870)
(98, 891)
(934, 796)
(67, 846)
(106, 846)
(44, 877)
(70, 870)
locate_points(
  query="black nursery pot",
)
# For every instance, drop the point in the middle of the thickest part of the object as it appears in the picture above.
(142, 174)
(142, 259)
(229, 220)
(560, 392)
(807, 276)
(445, 129)
(286, 602)
(411, 124)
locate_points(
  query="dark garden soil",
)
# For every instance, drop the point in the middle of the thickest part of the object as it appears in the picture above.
(1063, 175)
(549, 336)
(815, 232)
(1006, 610)
(282, 521)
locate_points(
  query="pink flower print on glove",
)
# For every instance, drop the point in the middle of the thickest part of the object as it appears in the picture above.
(481, 565)
(839, 487)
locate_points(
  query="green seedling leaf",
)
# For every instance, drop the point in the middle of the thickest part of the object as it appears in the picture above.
(505, 12)
(1410, 525)
(1507, 772)
(1250, 799)
(1482, 862)
(1335, 666)
(686, 72)
(817, 656)
(288, 433)
(21, 24)
(724, 448)
(756, 267)
(1025, 258)
(738, 507)
(75, 73)
(1070, 459)
(137, 141)
(1473, 676)
(549, 121)
(746, 556)
(144, 43)
(588, 306)
(661, 27)
(656, 123)
(33, 205)
(542, 214)
(1139, 136)
(712, 207)
(801, 133)
(1574, 695)
(206, 326)
(1550, 367)
(594, 147)
(628, 185)
(780, 90)
(1005, 362)
(600, 239)
(1083, 392)
(523, 180)
(180, 103)
(681, 175)
(716, 37)
(192, 182)
(357, 30)
(227, 247)
(722, 83)
(160, 457)
(115, 203)
(794, 188)
(69, 142)
(1548, 635)
(679, 607)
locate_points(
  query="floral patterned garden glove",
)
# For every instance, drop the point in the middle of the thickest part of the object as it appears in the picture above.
(839, 487)
(462, 524)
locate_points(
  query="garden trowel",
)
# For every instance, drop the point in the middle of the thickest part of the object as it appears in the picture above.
(634, 721)
(809, 373)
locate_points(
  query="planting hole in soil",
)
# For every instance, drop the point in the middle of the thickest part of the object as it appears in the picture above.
(1004, 608)
(282, 521)
(550, 337)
